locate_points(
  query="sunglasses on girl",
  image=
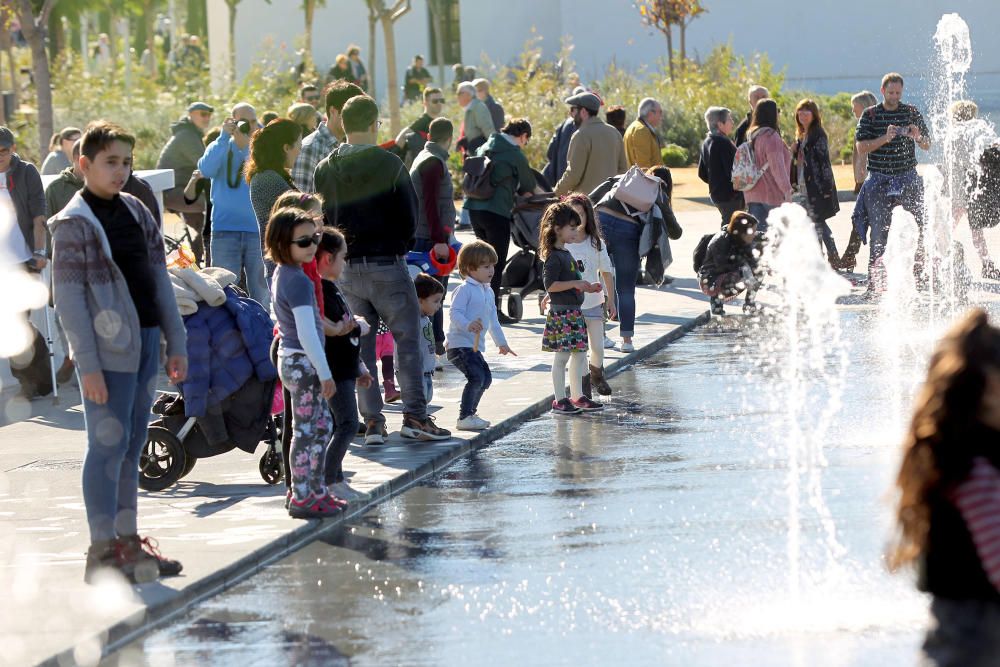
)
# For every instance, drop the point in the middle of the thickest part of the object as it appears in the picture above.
(306, 241)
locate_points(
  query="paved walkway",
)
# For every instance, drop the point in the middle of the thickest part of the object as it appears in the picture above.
(222, 521)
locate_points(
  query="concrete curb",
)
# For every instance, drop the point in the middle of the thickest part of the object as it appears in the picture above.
(125, 632)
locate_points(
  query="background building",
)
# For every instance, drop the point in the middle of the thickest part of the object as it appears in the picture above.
(826, 46)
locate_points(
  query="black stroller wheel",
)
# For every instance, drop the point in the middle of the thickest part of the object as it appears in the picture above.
(515, 307)
(162, 461)
(270, 466)
(189, 462)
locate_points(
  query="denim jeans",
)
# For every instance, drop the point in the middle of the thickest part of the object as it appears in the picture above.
(116, 435)
(386, 292)
(623, 247)
(424, 245)
(344, 406)
(879, 195)
(239, 252)
(760, 211)
(428, 389)
(477, 374)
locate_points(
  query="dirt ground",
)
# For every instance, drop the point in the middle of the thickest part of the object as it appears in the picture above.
(691, 194)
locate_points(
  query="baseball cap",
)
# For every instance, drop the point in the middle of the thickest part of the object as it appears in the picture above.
(200, 106)
(6, 137)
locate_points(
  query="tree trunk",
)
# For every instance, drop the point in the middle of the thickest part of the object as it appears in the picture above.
(437, 18)
(232, 40)
(6, 45)
(389, 18)
(35, 36)
(307, 57)
(56, 38)
(389, 35)
(150, 23)
(683, 28)
(85, 42)
(670, 51)
(372, 22)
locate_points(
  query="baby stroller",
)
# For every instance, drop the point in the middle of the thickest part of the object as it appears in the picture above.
(175, 442)
(523, 272)
(210, 417)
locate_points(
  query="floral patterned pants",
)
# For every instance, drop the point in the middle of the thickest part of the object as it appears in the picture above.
(311, 424)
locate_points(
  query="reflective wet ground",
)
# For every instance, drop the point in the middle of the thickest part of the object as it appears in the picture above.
(654, 533)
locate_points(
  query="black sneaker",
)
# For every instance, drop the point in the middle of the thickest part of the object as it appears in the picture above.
(425, 429)
(375, 432)
(750, 307)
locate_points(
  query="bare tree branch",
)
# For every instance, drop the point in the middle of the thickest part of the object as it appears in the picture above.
(43, 16)
(399, 9)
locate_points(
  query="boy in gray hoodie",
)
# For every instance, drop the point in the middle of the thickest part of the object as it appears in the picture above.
(114, 298)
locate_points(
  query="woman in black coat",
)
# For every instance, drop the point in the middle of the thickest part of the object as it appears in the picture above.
(812, 175)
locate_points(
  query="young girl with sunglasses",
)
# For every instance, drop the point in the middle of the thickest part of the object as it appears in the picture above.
(291, 239)
(565, 328)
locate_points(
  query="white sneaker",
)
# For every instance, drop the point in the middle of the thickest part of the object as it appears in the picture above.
(609, 343)
(345, 492)
(439, 362)
(472, 423)
(627, 347)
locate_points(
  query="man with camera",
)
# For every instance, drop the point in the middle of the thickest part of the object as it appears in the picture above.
(888, 133)
(235, 235)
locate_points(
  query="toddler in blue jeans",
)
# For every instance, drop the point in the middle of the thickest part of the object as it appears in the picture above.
(473, 312)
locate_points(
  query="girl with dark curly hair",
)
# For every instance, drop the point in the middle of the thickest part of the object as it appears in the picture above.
(948, 512)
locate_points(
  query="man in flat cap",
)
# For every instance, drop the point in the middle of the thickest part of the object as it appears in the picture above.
(181, 153)
(596, 151)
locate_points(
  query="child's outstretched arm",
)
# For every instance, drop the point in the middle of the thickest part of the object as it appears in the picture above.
(496, 331)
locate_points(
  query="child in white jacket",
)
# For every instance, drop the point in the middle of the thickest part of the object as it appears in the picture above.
(473, 311)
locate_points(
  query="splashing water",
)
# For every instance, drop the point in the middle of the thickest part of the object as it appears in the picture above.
(811, 356)
(958, 142)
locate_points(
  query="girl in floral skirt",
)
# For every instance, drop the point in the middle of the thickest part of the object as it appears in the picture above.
(565, 327)
(291, 239)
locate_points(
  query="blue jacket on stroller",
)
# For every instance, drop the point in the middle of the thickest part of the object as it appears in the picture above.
(226, 345)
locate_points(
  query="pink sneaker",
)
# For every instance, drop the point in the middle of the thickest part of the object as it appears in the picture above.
(312, 507)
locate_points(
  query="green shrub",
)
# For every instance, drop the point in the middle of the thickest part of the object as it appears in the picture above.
(674, 156)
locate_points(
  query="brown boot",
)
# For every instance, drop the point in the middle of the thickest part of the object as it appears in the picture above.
(598, 382)
(117, 555)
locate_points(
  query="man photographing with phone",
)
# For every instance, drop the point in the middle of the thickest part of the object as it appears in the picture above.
(888, 133)
(235, 234)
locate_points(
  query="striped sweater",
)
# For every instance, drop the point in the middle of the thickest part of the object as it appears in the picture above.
(978, 500)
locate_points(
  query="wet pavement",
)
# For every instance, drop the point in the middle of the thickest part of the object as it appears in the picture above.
(656, 532)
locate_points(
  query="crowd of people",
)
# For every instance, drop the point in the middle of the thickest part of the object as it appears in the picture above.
(313, 220)
(314, 216)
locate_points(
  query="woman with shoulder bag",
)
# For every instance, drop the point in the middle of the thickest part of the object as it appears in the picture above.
(774, 188)
(812, 174)
(622, 226)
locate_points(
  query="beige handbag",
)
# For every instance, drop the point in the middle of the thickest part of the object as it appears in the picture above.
(637, 190)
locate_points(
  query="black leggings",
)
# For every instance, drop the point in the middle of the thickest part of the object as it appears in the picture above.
(495, 230)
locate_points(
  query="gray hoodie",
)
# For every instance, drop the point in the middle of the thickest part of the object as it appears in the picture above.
(92, 298)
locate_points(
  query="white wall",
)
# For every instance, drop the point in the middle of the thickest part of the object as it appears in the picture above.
(817, 39)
